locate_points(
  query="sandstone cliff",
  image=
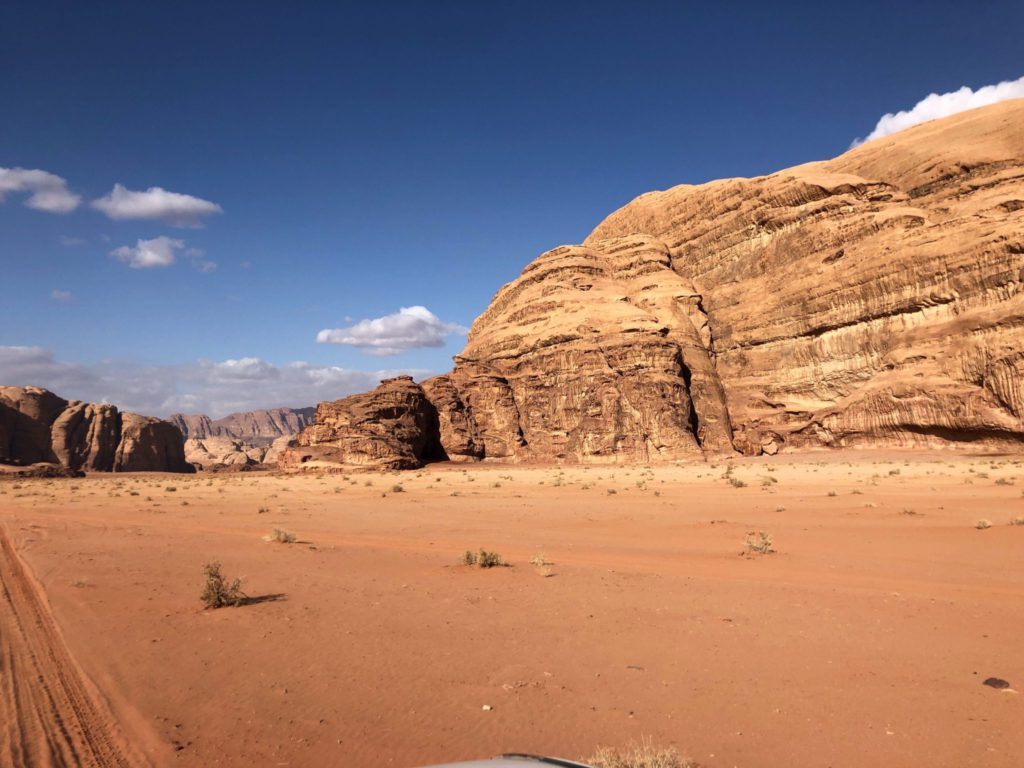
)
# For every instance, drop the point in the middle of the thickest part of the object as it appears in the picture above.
(393, 427)
(872, 300)
(260, 427)
(38, 426)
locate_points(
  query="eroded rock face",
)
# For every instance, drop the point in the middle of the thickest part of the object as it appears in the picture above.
(213, 452)
(149, 445)
(260, 427)
(872, 300)
(38, 426)
(393, 427)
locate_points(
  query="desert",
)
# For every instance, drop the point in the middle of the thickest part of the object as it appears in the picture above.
(475, 385)
(630, 608)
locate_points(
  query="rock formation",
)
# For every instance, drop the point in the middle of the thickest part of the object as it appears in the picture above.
(213, 452)
(251, 427)
(393, 427)
(38, 426)
(242, 439)
(872, 300)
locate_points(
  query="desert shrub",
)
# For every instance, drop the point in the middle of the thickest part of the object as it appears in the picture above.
(644, 755)
(280, 536)
(218, 591)
(397, 488)
(1017, 521)
(487, 559)
(612, 491)
(538, 559)
(981, 525)
(758, 542)
(1004, 481)
(833, 493)
(263, 510)
(469, 557)
(170, 489)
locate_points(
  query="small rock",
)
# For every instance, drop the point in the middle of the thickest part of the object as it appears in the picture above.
(995, 682)
(487, 707)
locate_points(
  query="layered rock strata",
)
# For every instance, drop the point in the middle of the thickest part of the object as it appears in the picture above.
(872, 300)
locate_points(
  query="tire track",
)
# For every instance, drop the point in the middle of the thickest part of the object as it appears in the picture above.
(50, 717)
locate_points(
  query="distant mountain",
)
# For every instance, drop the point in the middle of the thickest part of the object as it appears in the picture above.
(251, 427)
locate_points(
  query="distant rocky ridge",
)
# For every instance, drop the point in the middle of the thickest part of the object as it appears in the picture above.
(872, 300)
(37, 426)
(252, 427)
(240, 439)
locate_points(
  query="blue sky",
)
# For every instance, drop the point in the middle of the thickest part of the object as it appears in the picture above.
(369, 158)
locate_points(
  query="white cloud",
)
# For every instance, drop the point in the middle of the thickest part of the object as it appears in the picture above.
(58, 295)
(203, 265)
(173, 208)
(46, 191)
(145, 254)
(409, 328)
(214, 388)
(938, 105)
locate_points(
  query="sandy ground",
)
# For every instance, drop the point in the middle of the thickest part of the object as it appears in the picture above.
(863, 641)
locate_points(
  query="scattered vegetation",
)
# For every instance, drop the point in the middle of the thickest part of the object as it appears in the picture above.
(982, 524)
(643, 755)
(397, 488)
(1017, 521)
(758, 543)
(538, 559)
(281, 536)
(218, 591)
(482, 558)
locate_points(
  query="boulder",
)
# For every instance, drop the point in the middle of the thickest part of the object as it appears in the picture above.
(393, 427)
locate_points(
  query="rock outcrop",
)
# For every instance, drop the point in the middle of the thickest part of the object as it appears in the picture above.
(872, 300)
(393, 427)
(251, 427)
(38, 426)
(212, 452)
(242, 439)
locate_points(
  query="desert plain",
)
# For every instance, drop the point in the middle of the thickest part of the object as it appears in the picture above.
(629, 609)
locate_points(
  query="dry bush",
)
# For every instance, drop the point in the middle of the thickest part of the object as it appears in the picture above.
(1017, 521)
(643, 755)
(281, 536)
(759, 543)
(218, 591)
(487, 559)
(981, 525)
(483, 558)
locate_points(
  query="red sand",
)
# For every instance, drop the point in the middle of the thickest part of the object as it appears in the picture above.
(863, 641)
